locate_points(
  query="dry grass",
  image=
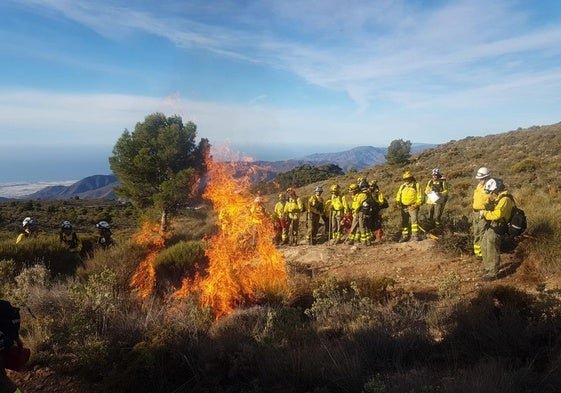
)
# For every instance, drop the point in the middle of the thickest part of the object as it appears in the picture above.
(327, 336)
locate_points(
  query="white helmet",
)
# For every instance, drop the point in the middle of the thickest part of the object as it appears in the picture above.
(27, 221)
(482, 173)
(103, 224)
(494, 185)
(318, 189)
(66, 225)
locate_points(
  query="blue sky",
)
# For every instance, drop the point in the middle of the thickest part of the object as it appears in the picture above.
(276, 78)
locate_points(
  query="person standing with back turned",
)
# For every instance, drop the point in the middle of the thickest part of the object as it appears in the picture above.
(495, 226)
(409, 199)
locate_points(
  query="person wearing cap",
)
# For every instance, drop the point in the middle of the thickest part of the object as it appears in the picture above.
(496, 220)
(292, 210)
(315, 212)
(409, 199)
(480, 202)
(437, 196)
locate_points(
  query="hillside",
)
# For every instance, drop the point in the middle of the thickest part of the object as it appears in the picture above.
(92, 187)
(528, 160)
(439, 325)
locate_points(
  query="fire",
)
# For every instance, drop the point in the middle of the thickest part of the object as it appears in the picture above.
(144, 278)
(243, 261)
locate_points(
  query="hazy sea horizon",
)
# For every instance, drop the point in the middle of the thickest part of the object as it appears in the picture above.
(18, 189)
(28, 169)
(36, 164)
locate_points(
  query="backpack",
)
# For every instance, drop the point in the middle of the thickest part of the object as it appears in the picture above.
(517, 223)
(9, 324)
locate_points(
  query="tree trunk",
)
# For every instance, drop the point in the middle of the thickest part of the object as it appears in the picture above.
(164, 222)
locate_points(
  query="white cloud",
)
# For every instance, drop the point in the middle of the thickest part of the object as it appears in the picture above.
(405, 68)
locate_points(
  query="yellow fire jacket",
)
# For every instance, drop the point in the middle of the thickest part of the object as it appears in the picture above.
(293, 207)
(502, 210)
(480, 198)
(409, 194)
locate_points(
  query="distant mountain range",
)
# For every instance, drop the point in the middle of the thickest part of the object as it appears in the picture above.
(92, 187)
(102, 186)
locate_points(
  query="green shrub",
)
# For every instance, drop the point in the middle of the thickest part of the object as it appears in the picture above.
(526, 165)
(43, 249)
(178, 261)
(7, 275)
(375, 385)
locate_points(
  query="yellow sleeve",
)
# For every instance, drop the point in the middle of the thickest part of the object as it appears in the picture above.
(428, 188)
(419, 199)
(502, 210)
(444, 188)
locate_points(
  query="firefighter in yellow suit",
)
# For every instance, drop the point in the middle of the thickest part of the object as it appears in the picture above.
(292, 210)
(68, 237)
(495, 227)
(29, 229)
(437, 196)
(359, 231)
(480, 203)
(338, 207)
(409, 199)
(316, 210)
(280, 216)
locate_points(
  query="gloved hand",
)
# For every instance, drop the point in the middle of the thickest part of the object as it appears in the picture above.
(481, 213)
(413, 207)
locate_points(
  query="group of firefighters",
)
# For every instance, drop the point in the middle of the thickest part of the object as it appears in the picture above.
(356, 218)
(67, 234)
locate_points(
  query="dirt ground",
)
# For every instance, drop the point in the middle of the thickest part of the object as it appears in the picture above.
(416, 266)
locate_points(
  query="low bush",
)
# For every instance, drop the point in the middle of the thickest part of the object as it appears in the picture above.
(178, 261)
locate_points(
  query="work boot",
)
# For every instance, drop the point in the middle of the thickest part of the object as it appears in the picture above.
(404, 239)
(417, 237)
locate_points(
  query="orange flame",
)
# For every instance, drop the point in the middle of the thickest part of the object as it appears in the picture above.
(243, 261)
(143, 280)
